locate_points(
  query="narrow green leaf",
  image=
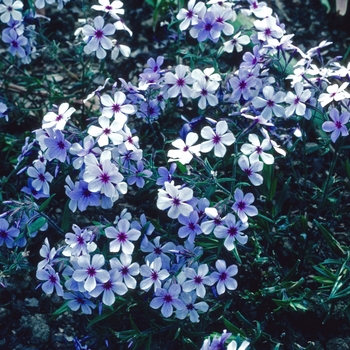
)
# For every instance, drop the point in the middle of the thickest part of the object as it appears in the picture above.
(44, 205)
(232, 328)
(332, 242)
(36, 225)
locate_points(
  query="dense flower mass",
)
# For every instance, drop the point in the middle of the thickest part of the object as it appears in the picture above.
(193, 145)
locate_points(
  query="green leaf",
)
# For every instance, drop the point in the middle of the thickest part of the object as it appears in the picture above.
(332, 242)
(326, 4)
(44, 205)
(347, 168)
(232, 328)
(36, 225)
(65, 224)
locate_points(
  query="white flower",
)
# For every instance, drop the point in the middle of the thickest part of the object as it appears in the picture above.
(190, 16)
(96, 37)
(185, 150)
(223, 277)
(334, 92)
(242, 205)
(179, 81)
(251, 169)
(10, 9)
(236, 42)
(59, 120)
(256, 150)
(175, 200)
(217, 139)
(268, 28)
(297, 101)
(270, 102)
(107, 131)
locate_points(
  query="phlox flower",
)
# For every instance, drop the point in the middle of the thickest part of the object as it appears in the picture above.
(231, 231)
(58, 120)
(79, 243)
(191, 227)
(110, 288)
(275, 146)
(191, 308)
(113, 8)
(213, 220)
(149, 110)
(190, 15)
(268, 29)
(185, 150)
(259, 9)
(7, 234)
(52, 279)
(270, 102)
(223, 276)
(334, 93)
(79, 300)
(186, 254)
(153, 274)
(165, 174)
(255, 149)
(157, 250)
(102, 176)
(207, 27)
(297, 100)
(96, 37)
(41, 3)
(116, 107)
(11, 9)
(205, 90)
(196, 280)
(338, 124)
(4, 111)
(126, 268)
(244, 85)
(47, 253)
(167, 299)
(233, 345)
(250, 168)
(179, 81)
(108, 131)
(16, 42)
(41, 177)
(122, 237)
(222, 15)
(154, 65)
(130, 142)
(236, 43)
(175, 200)
(82, 150)
(242, 205)
(57, 146)
(138, 174)
(119, 48)
(217, 139)
(31, 191)
(90, 271)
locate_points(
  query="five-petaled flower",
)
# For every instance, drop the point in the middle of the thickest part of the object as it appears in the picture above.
(242, 205)
(337, 126)
(223, 276)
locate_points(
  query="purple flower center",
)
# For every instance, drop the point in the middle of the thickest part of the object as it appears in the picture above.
(189, 14)
(297, 100)
(107, 285)
(86, 193)
(223, 276)
(80, 240)
(216, 139)
(258, 150)
(41, 177)
(248, 171)
(98, 33)
(60, 145)
(190, 307)
(338, 124)
(124, 271)
(107, 131)
(268, 32)
(157, 250)
(180, 82)
(105, 178)
(242, 84)
(3, 234)
(14, 43)
(116, 108)
(254, 5)
(191, 226)
(176, 202)
(204, 92)
(53, 279)
(109, 7)
(241, 205)
(59, 117)
(167, 298)
(9, 8)
(91, 271)
(232, 231)
(198, 280)
(208, 27)
(270, 103)
(122, 237)
(154, 276)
